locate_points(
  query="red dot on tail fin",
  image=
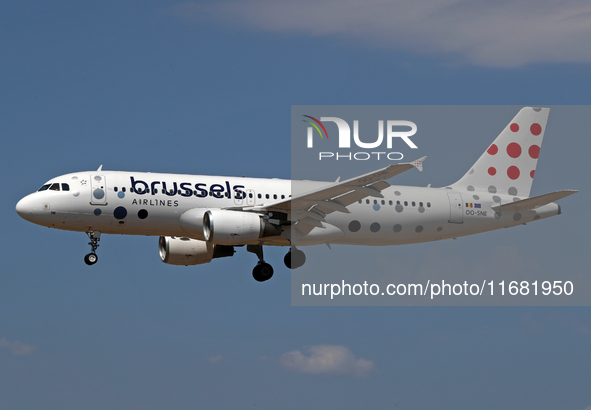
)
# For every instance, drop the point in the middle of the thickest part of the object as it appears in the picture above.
(493, 149)
(514, 127)
(492, 171)
(514, 150)
(536, 129)
(513, 172)
(534, 151)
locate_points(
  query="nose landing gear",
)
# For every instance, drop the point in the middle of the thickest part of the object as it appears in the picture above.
(92, 258)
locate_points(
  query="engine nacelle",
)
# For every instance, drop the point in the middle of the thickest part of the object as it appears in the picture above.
(186, 251)
(192, 222)
(225, 227)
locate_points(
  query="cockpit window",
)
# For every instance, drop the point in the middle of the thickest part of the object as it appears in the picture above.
(54, 187)
(43, 188)
(65, 187)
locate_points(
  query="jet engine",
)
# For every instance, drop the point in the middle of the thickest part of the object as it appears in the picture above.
(192, 222)
(186, 251)
(226, 227)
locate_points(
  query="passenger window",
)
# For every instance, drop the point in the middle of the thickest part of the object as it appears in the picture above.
(267, 196)
(54, 187)
(274, 196)
(360, 201)
(131, 190)
(155, 190)
(367, 201)
(282, 196)
(250, 195)
(115, 189)
(383, 202)
(390, 202)
(123, 189)
(260, 196)
(421, 204)
(413, 203)
(43, 188)
(405, 203)
(397, 202)
(428, 204)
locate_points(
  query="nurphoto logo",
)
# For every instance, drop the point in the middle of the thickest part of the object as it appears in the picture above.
(393, 129)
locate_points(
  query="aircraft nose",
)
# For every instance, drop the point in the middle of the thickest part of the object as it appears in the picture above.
(20, 207)
(24, 208)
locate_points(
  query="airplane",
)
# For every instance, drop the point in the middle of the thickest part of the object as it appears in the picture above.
(200, 218)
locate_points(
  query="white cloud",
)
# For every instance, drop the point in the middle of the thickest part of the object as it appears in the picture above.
(328, 359)
(506, 33)
(17, 348)
(215, 359)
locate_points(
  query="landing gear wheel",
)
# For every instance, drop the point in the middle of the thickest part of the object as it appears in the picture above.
(91, 259)
(262, 272)
(294, 259)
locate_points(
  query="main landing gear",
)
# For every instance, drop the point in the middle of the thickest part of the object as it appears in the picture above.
(94, 237)
(263, 271)
(294, 258)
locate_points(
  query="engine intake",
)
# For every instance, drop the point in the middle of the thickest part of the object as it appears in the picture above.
(192, 222)
(186, 251)
(226, 227)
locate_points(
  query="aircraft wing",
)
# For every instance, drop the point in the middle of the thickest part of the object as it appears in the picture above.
(308, 209)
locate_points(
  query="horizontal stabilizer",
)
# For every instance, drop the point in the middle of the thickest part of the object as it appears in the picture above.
(534, 202)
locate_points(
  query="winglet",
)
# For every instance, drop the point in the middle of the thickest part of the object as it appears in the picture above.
(418, 163)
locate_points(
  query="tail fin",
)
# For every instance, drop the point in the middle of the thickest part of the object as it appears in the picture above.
(509, 164)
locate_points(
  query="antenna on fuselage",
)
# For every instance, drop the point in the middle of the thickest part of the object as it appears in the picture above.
(100, 168)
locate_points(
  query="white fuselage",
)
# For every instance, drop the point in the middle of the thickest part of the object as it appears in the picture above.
(133, 203)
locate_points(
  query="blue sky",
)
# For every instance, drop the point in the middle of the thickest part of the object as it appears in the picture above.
(206, 88)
